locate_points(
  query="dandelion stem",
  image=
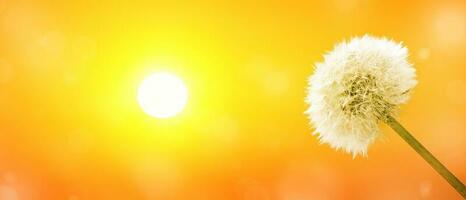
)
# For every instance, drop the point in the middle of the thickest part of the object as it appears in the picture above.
(421, 150)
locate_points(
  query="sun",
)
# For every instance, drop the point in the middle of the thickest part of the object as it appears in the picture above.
(162, 95)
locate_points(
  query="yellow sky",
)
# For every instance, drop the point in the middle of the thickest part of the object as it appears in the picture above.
(71, 127)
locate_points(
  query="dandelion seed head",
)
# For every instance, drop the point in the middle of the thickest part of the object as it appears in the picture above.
(358, 85)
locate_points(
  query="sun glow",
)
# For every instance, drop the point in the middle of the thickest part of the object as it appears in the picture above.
(162, 95)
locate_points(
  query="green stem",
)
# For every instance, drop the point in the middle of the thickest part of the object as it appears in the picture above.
(421, 150)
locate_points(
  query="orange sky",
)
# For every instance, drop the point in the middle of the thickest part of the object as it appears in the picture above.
(71, 128)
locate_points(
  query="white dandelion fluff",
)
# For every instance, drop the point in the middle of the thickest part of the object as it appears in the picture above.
(357, 85)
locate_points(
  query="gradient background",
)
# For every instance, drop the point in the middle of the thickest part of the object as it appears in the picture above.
(71, 128)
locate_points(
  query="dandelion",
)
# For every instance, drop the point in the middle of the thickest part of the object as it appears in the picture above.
(358, 85)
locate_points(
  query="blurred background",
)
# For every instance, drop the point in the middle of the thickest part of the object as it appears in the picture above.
(71, 127)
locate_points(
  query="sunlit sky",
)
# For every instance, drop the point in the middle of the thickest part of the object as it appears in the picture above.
(71, 126)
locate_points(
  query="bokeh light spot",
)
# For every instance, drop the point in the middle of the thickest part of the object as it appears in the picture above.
(423, 54)
(449, 27)
(8, 193)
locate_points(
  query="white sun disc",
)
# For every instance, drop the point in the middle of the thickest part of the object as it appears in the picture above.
(162, 95)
